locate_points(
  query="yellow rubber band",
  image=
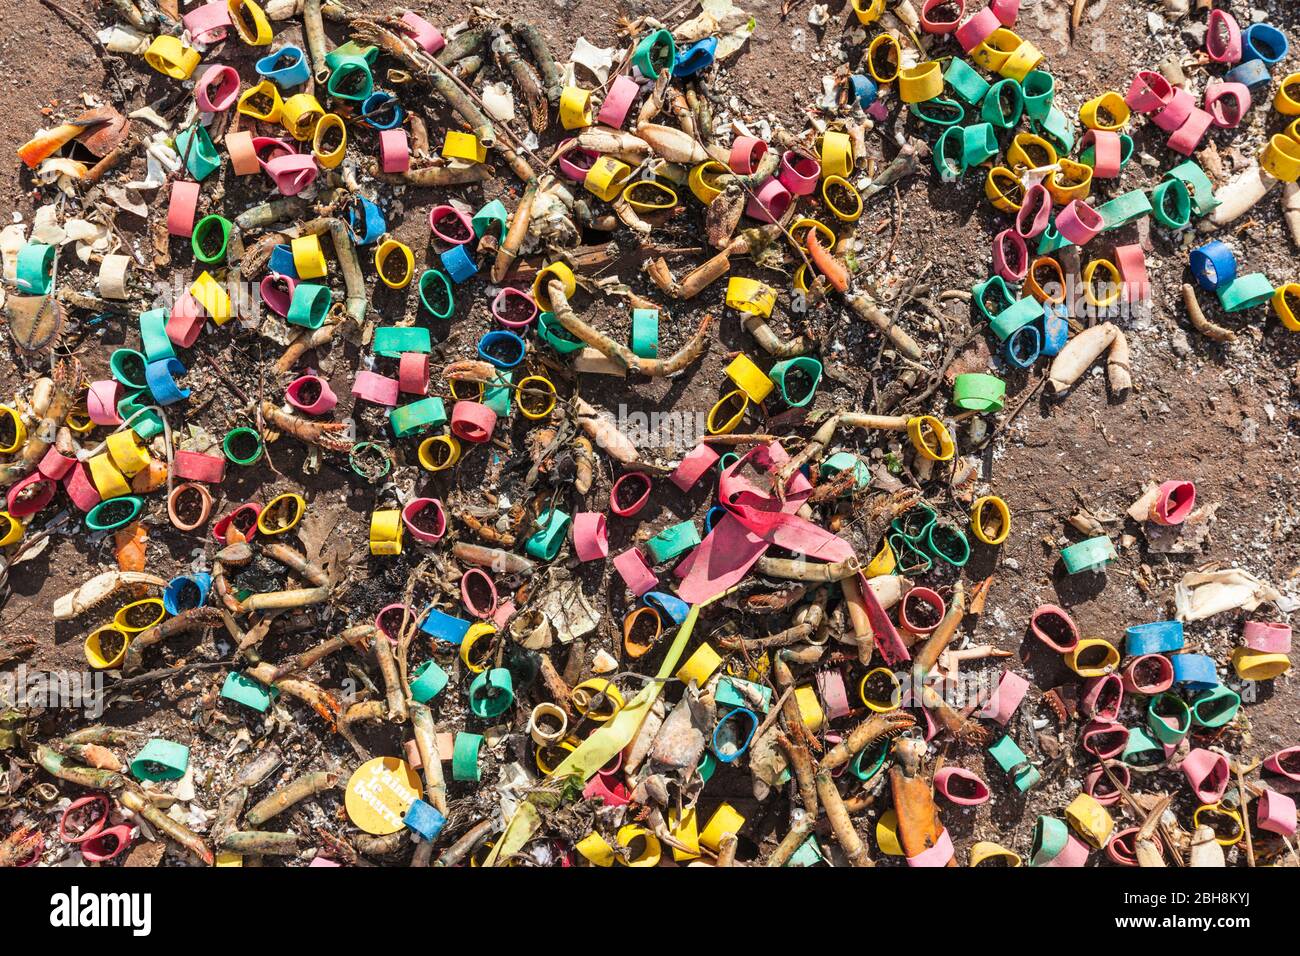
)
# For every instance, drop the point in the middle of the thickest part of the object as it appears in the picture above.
(886, 48)
(1282, 305)
(703, 180)
(1090, 290)
(535, 382)
(575, 108)
(836, 153)
(1287, 101)
(385, 252)
(1023, 60)
(1070, 182)
(1030, 151)
(606, 177)
(94, 648)
(725, 820)
(308, 259)
(1107, 112)
(1004, 189)
(477, 631)
(331, 159)
(699, 667)
(854, 211)
(887, 833)
(246, 107)
(556, 270)
(651, 850)
(647, 195)
(126, 453)
(595, 850)
(993, 53)
(108, 481)
(170, 57)
(984, 850)
(883, 563)
(868, 11)
(1228, 812)
(749, 378)
(978, 526)
(920, 83)
(895, 695)
(930, 438)
(458, 145)
(1281, 158)
(1086, 647)
(750, 296)
(273, 506)
(596, 699)
(386, 532)
(1090, 820)
(1257, 665)
(431, 461)
(11, 529)
(20, 430)
(122, 619)
(300, 114)
(215, 301)
(261, 33)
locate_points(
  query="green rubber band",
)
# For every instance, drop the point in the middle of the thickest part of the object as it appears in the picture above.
(809, 852)
(202, 232)
(843, 461)
(36, 268)
(909, 557)
(1215, 708)
(201, 158)
(915, 523)
(242, 689)
(427, 682)
(672, 541)
(357, 454)
(95, 517)
(427, 278)
(979, 144)
(955, 550)
(707, 766)
(124, 363)
(342, 68)
(491, 693)
(235, 434)
(873, 757)
(655, 53)
(1092, 554)
(947, 154)
(392, 340)
(976, 391)
(992, 287)
(1011, 759)
(545, 542)
(939, 111)
(1039, 91)
(464, 757)
(550, 331)
(144, 421)
(965, 81)
(493, 212)
(996, 109)
(153, 335)
(645, 333)
(309, 306)
(1245, 292)
(349, 50)
(1198, 184)
(1056, 128)
(501, 396)
(161, 760)
(1051, 837)
(1142, 749)
(1124, 209)
(810, 367)
(417, 416)
(1051, 240)
(1172, 192)
(1158, 724)
(1015, 316)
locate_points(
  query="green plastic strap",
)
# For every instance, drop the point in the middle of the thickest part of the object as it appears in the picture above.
(674, 540)
(417, 416)
(939, 111)
(1142, 749)
(36, 268)
(976, 391)
(1171, 204)
(127, 366)
(1124, 209)
(655, 53)
(1015, 316)
(994, 287)
(1051, 837)
(552, 526)
(161, 760)
(1245, 292)
(133, 407)
(427, 682)
(550, 331)
(947, 153)
(309, 305)
(1198, 184)
(843, 461)
(236, 434)
(979, 144)
(100, 517)
(392, 340)
(429, 279)
(1057, 129)
(1039, 90)
(1051, 240)
(493, 212)
(808, 854)
(1012, 759)
(242, 689)
(199, 240)
(966, 81)
(201, 159)
(491, 693)
(1217, 707)
(501, 397)
(153, 335)
(811, 369)
(948, 543)
(464, 757)
(1004, 104)
(645, 333)
(1092, 554)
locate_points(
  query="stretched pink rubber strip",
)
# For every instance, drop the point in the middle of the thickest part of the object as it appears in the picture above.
(590, 540)
(388, 621)
(1148, 92)
(325, 397)
(428, 37)
(1104, 738)
(80, 488)
(373, 387)
(218, 89)
(1095, 780)
(267, 148)
(693, 465)
(1174, 502)
(622, 92)
(1276, 813)
(599, 788)
(1107, 151)
(292, 173)
(394, 151)
(1176, 111)
(834, 695)
(1227, 115)
(208, 23)
(440, 215)
(1006, 697)
(54, 465)
(181, 204)
(505, 611)
(1149, 674)
(636, 574)
(467, 581)
(1268, 637)
(186, 321)
(1223, 37)
(196, 466)
(634, 480)
(243, 157)
(1103, 696)
(1208, 774)
(1079, 223)
(30, 495)
(976, 29)
(413, 373)
(770, 203)
(1132, 264)
(930, 25)
(276, 291)
(1035, 212)
(799, 173)
(1006, 11)
(472, 421)
(746, 151)
(1285, 762)
(937, 855)
(101, 402)
(943, 782)
(1013, 267)
(1189, 135)
(1120, 847)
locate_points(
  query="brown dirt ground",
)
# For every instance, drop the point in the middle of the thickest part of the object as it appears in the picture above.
(1222, 416)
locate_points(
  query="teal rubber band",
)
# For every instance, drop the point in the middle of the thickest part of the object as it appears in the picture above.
(869, 761)
(493, 212)
(238, 434)
(1092, 554)
(202, 231)
(363, 450)
(427, 682)
(728, 694)
(809, 367)
(491, 693)
(978, 392)
(1198, 184)
(464, 757)
(344, 72)
(161, 760)
(144, 421)
(550, 331)
(1057, 129)
(501, 397)
(708, 766)
(843, 461)
(242, 689)
(96, 520)
(153, 335)
(417, 416)
(1160, 724)
(36, 268)
(1172, 192)
(427, 278)
(808, 854)
(995, 288)
(916, 523)
(1245, 292)
(546, 541)
(1124, 209)
(1051, 240)
(201, 158)
(909, 556)
(1051, 837)
(351, 50)
(1012, 760)
(1015, 316)
(939, 111)
(391, 341)
(656, 53)
(645, 333)
(965, 81)
(309, 306)
(1039, 91)
(948, 543)
(672, 541)
(1004, 104)
(979, 144)
(1215, 708)
(947, 154)
(127, 366)
(1142, 749)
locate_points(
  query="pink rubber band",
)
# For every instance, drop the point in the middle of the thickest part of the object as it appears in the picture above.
(1136, 683)
(394, 151)
(243, 157)
(1278, 763)
(1001, 265)
(1006, 697)
(1095, 729)
(943, 783)
(413, 373)
(1189, 135)
(577, 162)
(268, 148)
(1006, 11)
(1037, 201)
(292, 173)
(1103, 697)
(590, 540)
(834, 695)
(1223, 37)
(746, 151)
(373, 387)
(325, 398)
(181, 206)
(1107, 152)
(977, 29)
(907, 610)
(1276, 813)
(277, 291)
(1267, 637)
(80, 488)
(208, 23)
(428, 37)
(1176, 111)
(195, 466)
(770, 203)
(1148, 92)
(397, 612)
(101, 402)
(54, 465)
(1208, 774)
(937, 855)
(1074, 854)
(472, 421)
(225, 521)
(505, 611)
(218, 89)
(1132, 264)
(1079, 223)
(799, 173)
(414, 507)
(618, 100)
(1223, 115)
(1097, 776)
(186, 321)
(634, 477)
(693, 465)
(30, 503)
(474, 574)
(500, 308)
(1174, 502)
(440, 214)
(636, 574)
(598, 788)
(944, 26)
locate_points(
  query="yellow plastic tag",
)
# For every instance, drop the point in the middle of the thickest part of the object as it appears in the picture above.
(379, 793)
